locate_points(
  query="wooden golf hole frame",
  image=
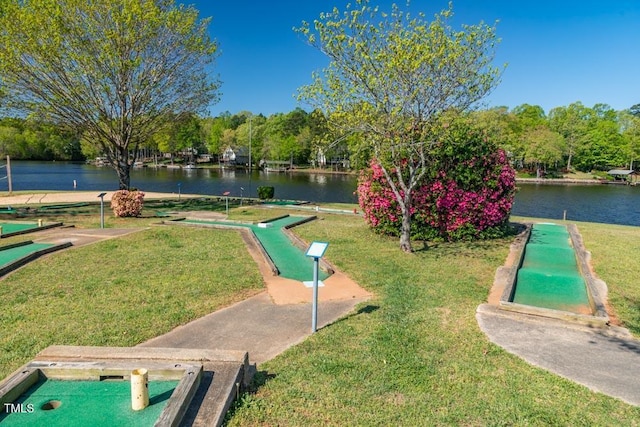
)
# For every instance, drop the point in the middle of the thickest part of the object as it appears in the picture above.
(188, 376)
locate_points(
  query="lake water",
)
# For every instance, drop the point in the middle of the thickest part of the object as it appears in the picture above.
(595, 203)
(60, 176)
(613, 204)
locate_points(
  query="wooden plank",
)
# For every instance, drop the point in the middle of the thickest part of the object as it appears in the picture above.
(80, 353)
(13, 387)
(95, 371)
(181, 398)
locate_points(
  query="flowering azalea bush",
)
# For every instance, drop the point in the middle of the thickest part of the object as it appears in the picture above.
(467, 193)
(125, 203)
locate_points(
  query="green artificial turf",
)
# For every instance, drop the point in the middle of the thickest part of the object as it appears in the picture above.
(87, 403)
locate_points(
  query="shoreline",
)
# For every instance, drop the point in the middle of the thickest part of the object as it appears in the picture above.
(565, 181)
(27, 197)
(573, 181)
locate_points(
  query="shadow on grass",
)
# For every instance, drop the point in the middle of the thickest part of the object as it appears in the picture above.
(442, 248)
(259, 379)
(367, 309)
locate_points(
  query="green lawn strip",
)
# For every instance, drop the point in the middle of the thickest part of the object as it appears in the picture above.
(414, 355)
(123, 291)
(614, 250)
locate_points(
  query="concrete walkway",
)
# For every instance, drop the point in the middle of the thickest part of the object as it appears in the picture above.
(272, 321)
(264, 325)
(255, 325)
(605, 360)
(258, 328)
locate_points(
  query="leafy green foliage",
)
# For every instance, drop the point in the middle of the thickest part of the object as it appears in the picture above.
(30, 139)
(266, 192)
(572, 137)
(390, 78)
(115, 70)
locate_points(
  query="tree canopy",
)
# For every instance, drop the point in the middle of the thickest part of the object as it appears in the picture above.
(390, 78)
(114, 70)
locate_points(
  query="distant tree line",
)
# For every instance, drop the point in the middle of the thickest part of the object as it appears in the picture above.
(28, 139)
(575, 137)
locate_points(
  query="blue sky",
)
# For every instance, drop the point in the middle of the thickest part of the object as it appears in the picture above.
(557, 51)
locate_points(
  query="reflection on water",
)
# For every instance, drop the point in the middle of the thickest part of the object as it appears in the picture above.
(318, 179)
(60, 176)
(228, 173)
(595, 203)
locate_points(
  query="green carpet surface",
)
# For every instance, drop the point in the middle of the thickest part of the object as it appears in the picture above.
(549, 276)
(87, 403)
(14, 254)
(12, 227)
(288, 258)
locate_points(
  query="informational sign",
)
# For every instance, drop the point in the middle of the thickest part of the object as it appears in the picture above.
(317, 249)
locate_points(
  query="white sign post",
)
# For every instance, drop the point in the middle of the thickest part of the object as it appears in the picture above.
(315, 251)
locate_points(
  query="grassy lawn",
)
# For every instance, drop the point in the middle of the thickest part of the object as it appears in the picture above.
(412, 355)
(614, 250)
(123, 291)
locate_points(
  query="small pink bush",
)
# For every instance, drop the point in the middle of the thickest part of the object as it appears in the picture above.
(127, 203)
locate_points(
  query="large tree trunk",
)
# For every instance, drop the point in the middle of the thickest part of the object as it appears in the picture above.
(122, 163)
(124, 179)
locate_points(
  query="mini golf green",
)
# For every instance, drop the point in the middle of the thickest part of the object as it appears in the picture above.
(290, 260)
(66, 403)
(14, 253)
(549, 276)
(13, 227)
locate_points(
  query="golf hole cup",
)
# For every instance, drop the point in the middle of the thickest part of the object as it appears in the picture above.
(139, 389)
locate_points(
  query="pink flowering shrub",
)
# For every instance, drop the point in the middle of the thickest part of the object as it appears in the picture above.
(127, 203)
(467, 193)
